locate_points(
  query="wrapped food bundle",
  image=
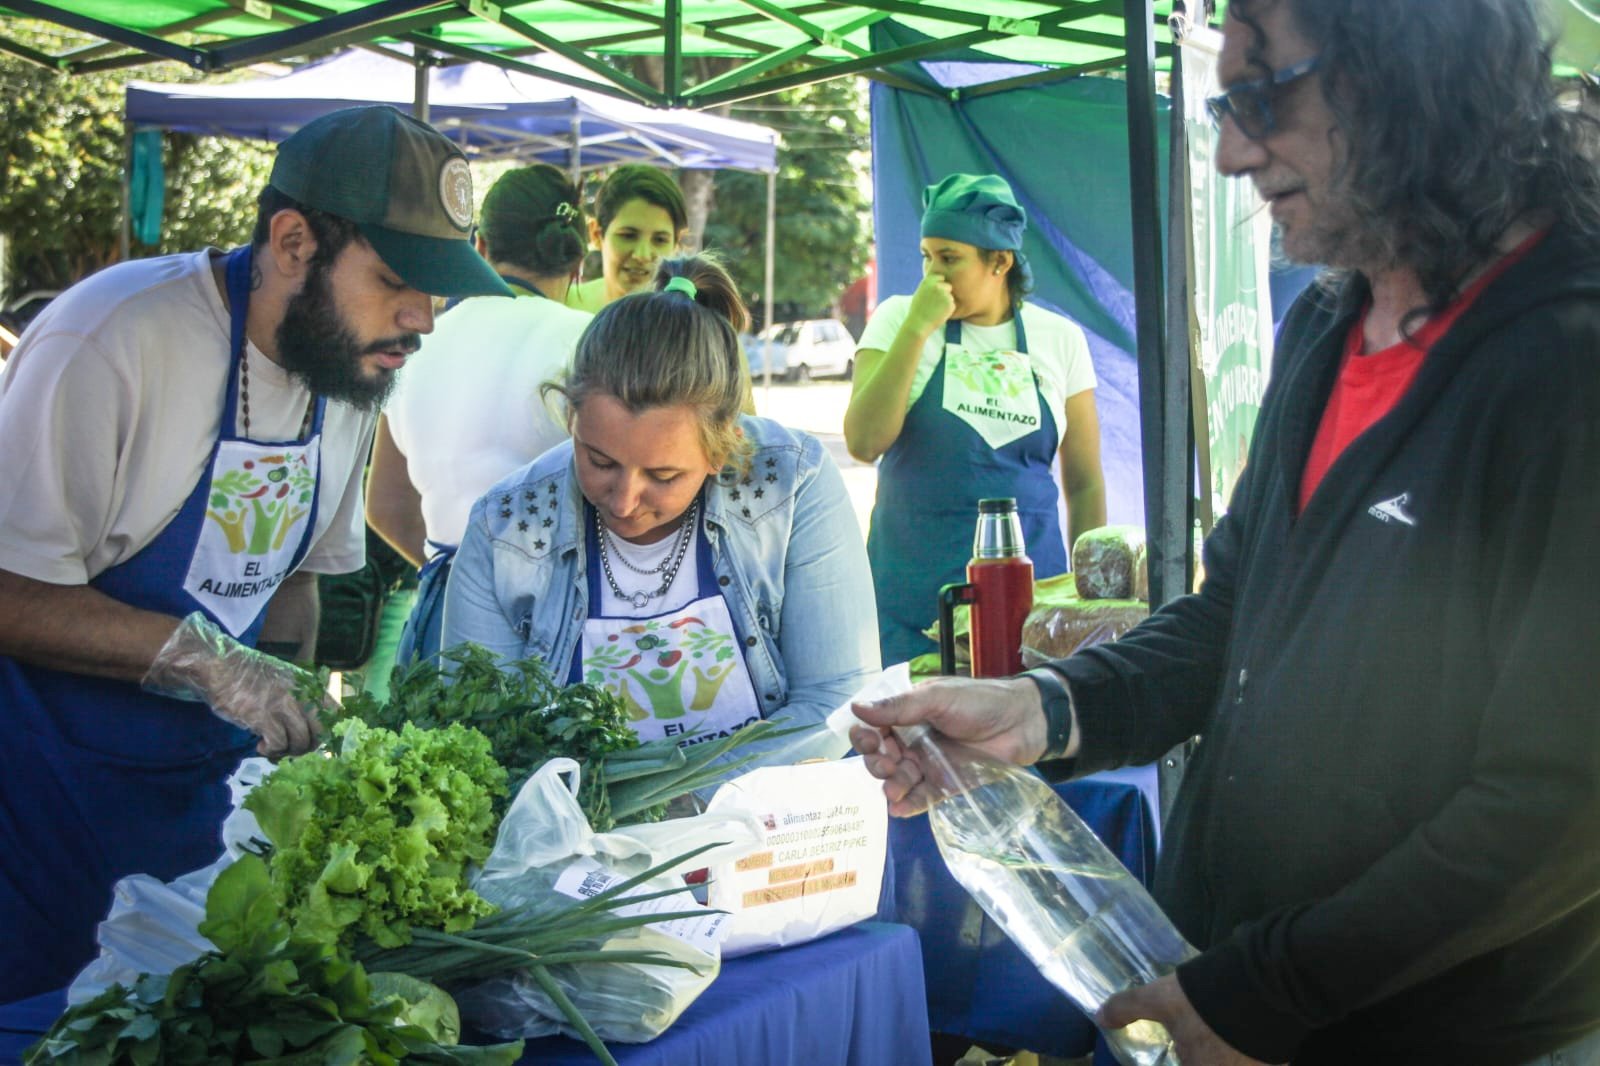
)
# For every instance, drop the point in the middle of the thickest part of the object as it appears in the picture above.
(1056, 630)
(1109, 564)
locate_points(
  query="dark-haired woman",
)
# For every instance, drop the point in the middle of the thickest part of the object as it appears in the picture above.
(468, 409)
(704, 566)
(640, 215)
(965, 391)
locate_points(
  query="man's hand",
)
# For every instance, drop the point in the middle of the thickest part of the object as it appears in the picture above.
(248, 688)
(1162, 1000)
(1001, 718)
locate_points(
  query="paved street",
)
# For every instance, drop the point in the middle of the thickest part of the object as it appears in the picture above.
(818, 408)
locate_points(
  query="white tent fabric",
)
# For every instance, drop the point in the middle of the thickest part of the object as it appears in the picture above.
(492, 113)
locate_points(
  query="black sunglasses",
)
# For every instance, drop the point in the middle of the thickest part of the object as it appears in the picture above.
(1250, 102)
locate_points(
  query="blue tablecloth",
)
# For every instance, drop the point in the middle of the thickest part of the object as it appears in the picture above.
(980, 985)
(851, 999)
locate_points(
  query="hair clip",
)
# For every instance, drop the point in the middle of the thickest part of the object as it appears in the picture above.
(683, 285)
(566, 212)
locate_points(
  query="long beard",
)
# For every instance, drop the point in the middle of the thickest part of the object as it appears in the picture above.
(317, 346)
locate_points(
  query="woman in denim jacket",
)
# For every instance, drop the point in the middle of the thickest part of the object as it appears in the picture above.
(703, 565)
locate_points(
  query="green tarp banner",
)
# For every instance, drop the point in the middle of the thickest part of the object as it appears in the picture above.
(1232, 292)
(147, 187)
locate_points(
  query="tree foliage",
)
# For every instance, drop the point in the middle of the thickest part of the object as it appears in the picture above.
(62, 158)
(823, 227)
(61, 163)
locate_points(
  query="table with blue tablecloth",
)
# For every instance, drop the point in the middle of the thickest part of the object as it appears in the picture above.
(980, 985)
(851, 999)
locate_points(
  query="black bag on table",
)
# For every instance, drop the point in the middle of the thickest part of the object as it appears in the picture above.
(352, 605)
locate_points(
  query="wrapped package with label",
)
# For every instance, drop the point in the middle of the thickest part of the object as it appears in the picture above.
(1109, 564)
(821, 867)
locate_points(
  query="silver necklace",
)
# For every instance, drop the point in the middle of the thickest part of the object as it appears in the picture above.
(668, 570)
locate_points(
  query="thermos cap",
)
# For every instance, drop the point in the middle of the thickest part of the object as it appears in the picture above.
(999, 532)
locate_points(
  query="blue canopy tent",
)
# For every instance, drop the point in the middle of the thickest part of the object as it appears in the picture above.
(492, 112)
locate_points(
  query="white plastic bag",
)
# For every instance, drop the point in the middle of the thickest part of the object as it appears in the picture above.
(152, 924)
(544, 850)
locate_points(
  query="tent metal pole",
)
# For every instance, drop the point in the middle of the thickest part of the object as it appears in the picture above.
(672, 52)
(1166, 531)
(766, 299)
(1177, 417)
(125, 230)
(419, 95)
(575, 156)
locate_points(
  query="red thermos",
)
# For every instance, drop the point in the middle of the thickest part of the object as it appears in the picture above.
(999, 588)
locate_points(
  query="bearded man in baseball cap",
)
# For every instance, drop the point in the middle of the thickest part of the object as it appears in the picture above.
(185, 438)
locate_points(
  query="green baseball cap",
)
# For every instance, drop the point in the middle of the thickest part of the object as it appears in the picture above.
(405, 186)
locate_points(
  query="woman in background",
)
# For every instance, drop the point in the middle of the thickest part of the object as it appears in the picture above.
(704, 566)
(467, 407)
(966, 391)
(640, 215)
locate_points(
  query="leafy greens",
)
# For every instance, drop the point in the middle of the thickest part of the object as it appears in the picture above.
(266, 994)
(375, 836)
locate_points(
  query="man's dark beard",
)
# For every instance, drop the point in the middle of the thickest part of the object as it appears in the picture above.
(317, 346)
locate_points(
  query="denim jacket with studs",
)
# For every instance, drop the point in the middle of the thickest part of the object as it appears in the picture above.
(785, 547)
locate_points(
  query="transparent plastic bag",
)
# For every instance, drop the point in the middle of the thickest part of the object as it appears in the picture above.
(152, 925)
(544, 847)
(1056, 631)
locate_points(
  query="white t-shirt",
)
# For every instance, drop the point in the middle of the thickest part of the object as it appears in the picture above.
(108, 412)
(467, 411)
(1056, 348)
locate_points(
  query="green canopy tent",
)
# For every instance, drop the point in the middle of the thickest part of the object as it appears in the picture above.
(827, 38)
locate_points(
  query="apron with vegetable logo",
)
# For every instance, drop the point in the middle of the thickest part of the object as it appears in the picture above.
(993, 392)
(678, 674)
(980, 428)
(99, 779)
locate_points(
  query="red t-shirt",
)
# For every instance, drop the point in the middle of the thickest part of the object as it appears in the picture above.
(1370, 385)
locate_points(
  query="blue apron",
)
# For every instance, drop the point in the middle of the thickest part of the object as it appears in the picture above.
(424, 630)
(681, 673)
(929, 484)
(99, 779)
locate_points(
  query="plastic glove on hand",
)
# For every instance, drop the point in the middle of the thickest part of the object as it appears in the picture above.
(242, 686)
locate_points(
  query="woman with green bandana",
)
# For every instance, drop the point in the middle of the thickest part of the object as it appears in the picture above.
(965, 391)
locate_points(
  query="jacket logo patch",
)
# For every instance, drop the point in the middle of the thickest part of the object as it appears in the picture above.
(1393, 510)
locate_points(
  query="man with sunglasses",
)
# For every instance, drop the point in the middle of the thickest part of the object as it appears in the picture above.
(1385, 848)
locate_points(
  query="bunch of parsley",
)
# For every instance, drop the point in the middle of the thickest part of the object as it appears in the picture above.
(526, 715)
(529, 718)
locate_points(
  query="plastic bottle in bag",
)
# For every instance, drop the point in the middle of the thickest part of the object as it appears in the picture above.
(1043, 876)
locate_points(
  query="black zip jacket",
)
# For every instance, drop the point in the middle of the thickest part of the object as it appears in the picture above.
(1388, 843)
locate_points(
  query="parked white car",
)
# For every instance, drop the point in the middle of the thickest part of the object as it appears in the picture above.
(799, 351)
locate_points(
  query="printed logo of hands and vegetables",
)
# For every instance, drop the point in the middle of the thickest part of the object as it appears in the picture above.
(678, 666)
(259, 502)
(1005, 375)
